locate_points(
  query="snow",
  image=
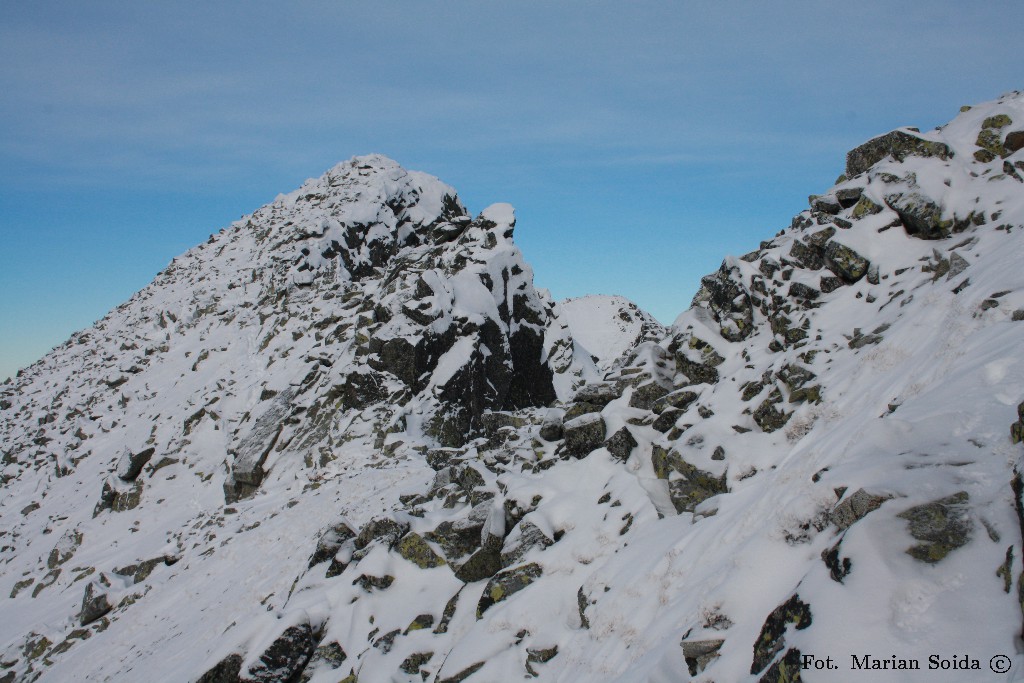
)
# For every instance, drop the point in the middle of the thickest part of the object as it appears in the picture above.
(195, 363)
(500, 214)
(608, 325)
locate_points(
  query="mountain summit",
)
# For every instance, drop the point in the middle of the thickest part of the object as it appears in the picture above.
(347, 439)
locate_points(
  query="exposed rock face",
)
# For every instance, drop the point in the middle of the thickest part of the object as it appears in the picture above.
(435, 307)
(347, 439)
(899, 144)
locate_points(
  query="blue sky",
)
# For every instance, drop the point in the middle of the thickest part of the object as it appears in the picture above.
(640, 142)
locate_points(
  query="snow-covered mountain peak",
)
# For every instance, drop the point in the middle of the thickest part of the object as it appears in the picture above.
(348, 440)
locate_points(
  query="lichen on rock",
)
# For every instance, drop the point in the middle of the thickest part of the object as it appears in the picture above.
(772, 640)
(414, 548)
(942, 525)
(507, 583)
(899, 144)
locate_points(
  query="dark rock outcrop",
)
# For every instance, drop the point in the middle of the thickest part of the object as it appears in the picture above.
(899, 144)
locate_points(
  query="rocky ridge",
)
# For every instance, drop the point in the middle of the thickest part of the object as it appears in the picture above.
(358, 391)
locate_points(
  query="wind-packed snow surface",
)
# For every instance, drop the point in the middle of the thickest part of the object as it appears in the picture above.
(348, 440)
(609, 326)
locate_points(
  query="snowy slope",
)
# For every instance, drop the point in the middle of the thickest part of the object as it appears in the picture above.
(820, 457)
(288, 348)
(609, 325)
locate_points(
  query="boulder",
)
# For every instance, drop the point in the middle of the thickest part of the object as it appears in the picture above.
(942, 525)
(845, 262)
(96, 602)
(250, 452)
(681, 399)
(285, 657)
(327, 657)
(810, 394)
(807, 256)
(440, 458)
(849, 196)
(1017, 428)
(448, 612)
(64, 549)
(420, 623)
(457, 539)
(506, 583)
(414, 662)
(1014, 141)
(383, 530)
(990, 138)
(699, 653)
(130, 465)
(460, 676)
(584, 434)
(621, 443)
(371, 582)
(772, 639)
(825, 204)
(598, 393)
(799, 290)
(957, 265)
(118, 497)
(795, 376)
(830, 283)
(414, 548)
(696, 373)
(667, 419)
(899, 144)
(330, 542)
(855, 507)
(226, 670)
(539, 655)
(767, 417)
(580, 408)
(688, 486)
(921, 216)
(723, 295)
(522, 540)
(551, 428)
(838, 568)
(482, 564)
(645, 395)
(864, 207)
(140, 571)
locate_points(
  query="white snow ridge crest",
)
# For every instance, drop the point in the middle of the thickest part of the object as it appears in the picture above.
(347, 440)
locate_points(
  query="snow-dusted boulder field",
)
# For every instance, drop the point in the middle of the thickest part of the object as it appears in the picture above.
(348, 440)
